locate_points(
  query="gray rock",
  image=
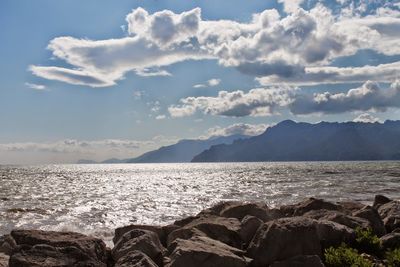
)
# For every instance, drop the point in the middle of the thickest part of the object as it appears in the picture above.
(183, 233)
(372, 215)
(390, 241)
(50, 256)
(249, 227)
(390, 214)
(92, 248)
(241, 210)
(7, 244)
(283, 239)
(308, 205)
(300, 261)
(159, 230)
(138, 239)
(202, 251)
(4, 260)
(339, 217)
(222, 229)
(348, 207)
(333, 234)
(380, 200)
(135, 259)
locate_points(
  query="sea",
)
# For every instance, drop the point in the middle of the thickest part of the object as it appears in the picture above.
(95, 198)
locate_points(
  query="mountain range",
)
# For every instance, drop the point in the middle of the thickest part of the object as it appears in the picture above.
(183, 151)
(324, 141)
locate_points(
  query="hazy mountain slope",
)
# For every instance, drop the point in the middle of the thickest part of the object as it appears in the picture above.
(291, 141)
(183, 151)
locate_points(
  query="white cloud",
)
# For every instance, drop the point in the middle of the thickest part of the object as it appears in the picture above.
(257, 102)
(291, 6)
(267, 46)
(366, 118)
(370, 96)
(161, 117)
(34, 86)
(152, 72)
(237, 128)
(210, 83)
(333, 75)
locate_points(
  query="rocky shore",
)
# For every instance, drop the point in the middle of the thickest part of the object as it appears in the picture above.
(229, 234)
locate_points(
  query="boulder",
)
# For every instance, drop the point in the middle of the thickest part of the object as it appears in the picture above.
(93, 248)
(222, 229)
(183, 233)
(135, 259)
(307, 205)
(390, 241)
(138, 239)
(283, 239)
(372, 215)
(202, 251)
(49, 256)
(300, 261)
(338, 217)
(4, 260)
(239, 211)
(159, 230)
(390, 214)
(218, 208)
(7, 244)
(249, 226)
(333, 234)
(348, 207)
(380, 200)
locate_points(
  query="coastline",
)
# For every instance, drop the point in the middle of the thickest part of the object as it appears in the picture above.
(227, 234)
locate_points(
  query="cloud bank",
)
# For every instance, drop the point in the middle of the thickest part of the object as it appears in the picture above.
(275, 48)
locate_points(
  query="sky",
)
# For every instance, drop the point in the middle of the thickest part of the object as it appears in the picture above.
(99, 79)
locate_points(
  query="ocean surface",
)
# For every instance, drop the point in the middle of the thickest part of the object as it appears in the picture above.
(95, 199)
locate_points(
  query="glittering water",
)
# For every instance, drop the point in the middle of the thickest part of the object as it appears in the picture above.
(96, 199)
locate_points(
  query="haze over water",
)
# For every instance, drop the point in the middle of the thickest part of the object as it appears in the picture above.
(96, 199)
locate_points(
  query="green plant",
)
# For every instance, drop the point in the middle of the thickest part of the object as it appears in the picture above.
(393, 257)
(368, 242)
(345, 256)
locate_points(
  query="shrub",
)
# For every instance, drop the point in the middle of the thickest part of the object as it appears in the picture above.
(345, 256)
(393, 257)
(368, 242)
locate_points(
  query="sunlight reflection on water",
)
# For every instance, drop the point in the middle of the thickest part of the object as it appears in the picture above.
(96, 199)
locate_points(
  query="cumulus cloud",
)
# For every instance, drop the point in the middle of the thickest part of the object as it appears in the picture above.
(303, 43)
(333, 75)
(370, 96)
(35, 86)
(257, 102)
(237, 128)
(209, 83)
(366, 118)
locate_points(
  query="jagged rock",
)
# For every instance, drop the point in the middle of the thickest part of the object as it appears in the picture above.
(218, 208)
(49, 256)
(338, 217)
(300, 261)
(372, 215)
(120, 231)
(145, 241)
(283, 239)
(240, 210)
(135, 259)
(390, 214)
(390, 241)
(7, 244)
(307, 205)
(348, 207)
(333, 234)
(183, 233)
(92, 248)
(202, 251)
(4, 260)
(249, 226)
(380, 200)
(223, 229)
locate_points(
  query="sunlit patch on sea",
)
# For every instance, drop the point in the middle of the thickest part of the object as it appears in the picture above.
(95, 199)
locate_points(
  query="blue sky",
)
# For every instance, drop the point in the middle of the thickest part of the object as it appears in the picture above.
(99, 79)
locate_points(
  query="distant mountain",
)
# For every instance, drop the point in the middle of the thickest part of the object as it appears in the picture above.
(86, 161)
(291, 141)
(183, 151)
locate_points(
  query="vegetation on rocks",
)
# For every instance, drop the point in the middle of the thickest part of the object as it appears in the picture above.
(345, 256)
